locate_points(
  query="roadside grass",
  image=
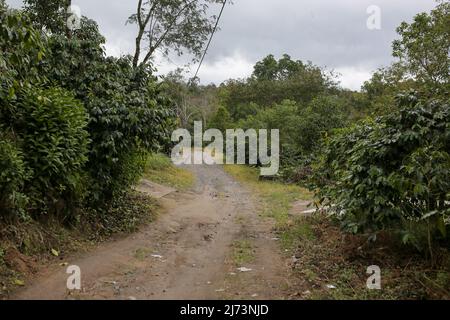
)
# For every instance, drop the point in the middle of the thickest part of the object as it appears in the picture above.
(242, 252)
(159, 169)
(296, 231)
(277, 197)
(330, 264)
(341, 260)
(141, 253)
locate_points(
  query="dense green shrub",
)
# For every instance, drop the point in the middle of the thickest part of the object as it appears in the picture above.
(51, 129)
(22, 49)
(381, 174)
(221, 120)
(102, 100)
(126, 109)
(134, 117)
(301, 127)
(13, 176)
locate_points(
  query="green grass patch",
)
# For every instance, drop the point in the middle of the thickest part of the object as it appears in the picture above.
(242, 252)
(299, 230)
(141, 253)
(277, 197)
(160, 169)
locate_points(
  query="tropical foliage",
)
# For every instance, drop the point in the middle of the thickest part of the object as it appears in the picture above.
(381, 174)
(377, 158)
(74, 124)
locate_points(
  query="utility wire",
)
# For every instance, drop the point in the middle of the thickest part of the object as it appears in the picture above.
(210, 39)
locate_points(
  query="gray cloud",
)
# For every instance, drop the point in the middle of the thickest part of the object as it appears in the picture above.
(329, 33)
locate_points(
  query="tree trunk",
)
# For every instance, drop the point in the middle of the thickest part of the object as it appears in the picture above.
(68, 31)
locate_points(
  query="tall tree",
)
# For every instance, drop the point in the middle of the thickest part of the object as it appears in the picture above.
(266, 69)
(49, 15)
(171, 25)
(424, 46)
(271, 69)
(54, 17)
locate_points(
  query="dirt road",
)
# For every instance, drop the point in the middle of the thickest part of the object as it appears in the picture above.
(193, 251)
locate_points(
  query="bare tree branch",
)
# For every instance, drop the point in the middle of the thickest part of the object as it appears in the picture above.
(176, 25)
(142, 25)
(168, 29)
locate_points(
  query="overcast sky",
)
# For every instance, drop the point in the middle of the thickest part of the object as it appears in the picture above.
(330, 33)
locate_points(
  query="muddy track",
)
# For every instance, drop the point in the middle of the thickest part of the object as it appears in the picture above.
(186, 254)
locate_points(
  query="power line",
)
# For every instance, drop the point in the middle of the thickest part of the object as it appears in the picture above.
(210, 39)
